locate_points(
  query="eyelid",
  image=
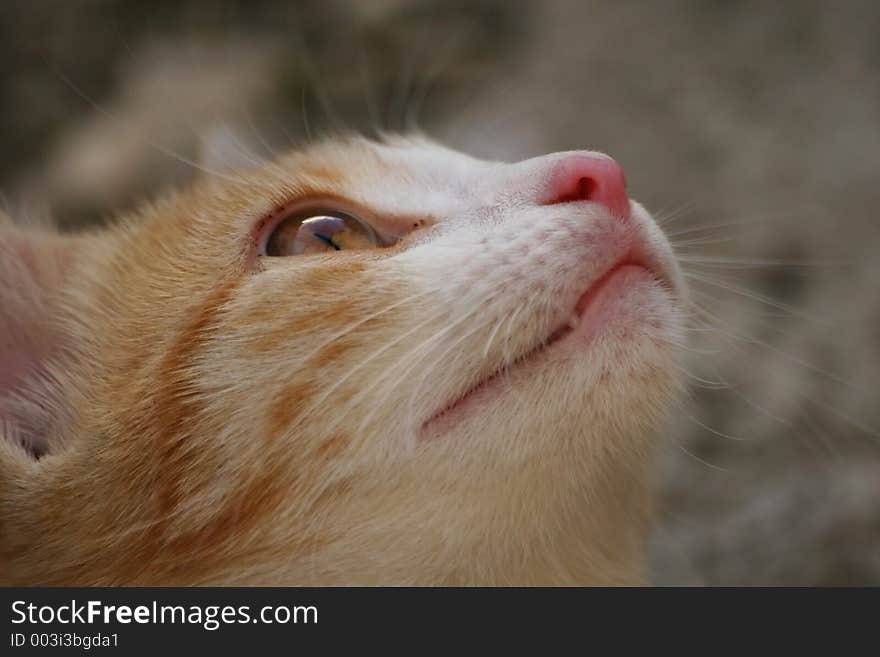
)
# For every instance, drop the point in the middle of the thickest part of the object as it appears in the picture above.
(391, 229)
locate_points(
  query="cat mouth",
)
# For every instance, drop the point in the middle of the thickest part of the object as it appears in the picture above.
(583, 321)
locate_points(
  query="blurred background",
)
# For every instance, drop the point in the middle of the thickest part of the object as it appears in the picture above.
(751, 129)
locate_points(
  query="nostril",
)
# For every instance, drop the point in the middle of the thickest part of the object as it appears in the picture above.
(590, 178)
(586, 189)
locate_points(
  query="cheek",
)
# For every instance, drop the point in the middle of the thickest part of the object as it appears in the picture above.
(295, 346)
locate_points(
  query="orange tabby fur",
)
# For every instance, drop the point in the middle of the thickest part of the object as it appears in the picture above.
(210, 416)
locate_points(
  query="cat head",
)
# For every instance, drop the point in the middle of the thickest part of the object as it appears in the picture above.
(360, 363)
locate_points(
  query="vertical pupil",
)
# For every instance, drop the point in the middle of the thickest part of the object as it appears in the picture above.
(318, 229)
(327, 240)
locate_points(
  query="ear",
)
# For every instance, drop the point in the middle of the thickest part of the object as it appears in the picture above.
(34, 267)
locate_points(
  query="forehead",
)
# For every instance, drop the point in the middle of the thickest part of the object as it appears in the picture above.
(403, 176)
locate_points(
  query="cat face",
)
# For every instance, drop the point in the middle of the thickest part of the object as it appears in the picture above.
(363, 363)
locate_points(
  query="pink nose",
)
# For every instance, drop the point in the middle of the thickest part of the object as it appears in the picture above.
(590, 178)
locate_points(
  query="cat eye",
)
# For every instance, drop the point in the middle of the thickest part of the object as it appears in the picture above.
(320, 232)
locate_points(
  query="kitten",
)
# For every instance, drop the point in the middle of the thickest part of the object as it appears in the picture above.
(365, 363)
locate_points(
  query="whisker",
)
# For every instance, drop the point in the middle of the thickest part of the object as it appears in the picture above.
(704, 383)
(759, 262)
(403, 85)
(152, 144)
(868, 430)
(720, 434)
(698, 459)
(406, 361)
(758, 407)
(755, 296)
(273, 153)
(305, 116)
(440, 61)
(349, 329)
(664, 218)
(384, 348)
(739, 338)
(368, 86)
(491, 337)
(701, 242)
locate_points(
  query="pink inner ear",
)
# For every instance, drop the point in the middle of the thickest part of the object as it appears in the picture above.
(17, 353)
(29, 270)
(14, 366)
(23, 354)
